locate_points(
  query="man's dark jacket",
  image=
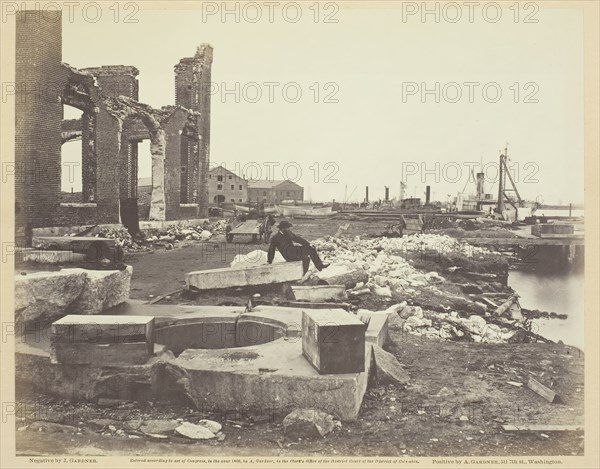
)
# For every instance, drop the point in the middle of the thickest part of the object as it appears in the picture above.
(285, 244)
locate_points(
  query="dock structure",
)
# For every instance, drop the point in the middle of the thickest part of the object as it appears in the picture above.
(520, 241)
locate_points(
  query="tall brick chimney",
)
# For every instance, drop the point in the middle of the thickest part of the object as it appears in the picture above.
(40, 79)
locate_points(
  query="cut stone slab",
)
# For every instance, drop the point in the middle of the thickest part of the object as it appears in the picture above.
(102, 340)
(388, 369)
(103, 289)
(543, 391)
(194, 432)
(103, 329)
(247, 276)
(319, 293)
(44, 296)
(307, 423)
(333, 341)
(377, 330)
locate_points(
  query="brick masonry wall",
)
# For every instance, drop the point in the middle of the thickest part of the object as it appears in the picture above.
(173, 127)
(116, 80)
(192, 91)
(40, 79)
(107, 143)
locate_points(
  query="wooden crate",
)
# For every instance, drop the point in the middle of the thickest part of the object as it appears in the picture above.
(333, 341)
(412, 224)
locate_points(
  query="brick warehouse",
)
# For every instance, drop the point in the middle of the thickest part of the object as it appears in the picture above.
(113, 123)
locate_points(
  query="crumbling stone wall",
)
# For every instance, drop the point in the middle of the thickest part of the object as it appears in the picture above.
(113, 122)
(116, 80)
(192, 91)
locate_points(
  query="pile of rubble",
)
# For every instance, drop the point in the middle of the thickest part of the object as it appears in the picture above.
(165, 237)
(388, 260)
(391, 272)
(122, 238)
(452, 326)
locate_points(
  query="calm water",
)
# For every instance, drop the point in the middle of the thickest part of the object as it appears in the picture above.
(561, 293)
(576, 212)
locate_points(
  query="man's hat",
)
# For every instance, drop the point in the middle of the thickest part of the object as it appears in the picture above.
(284, 224)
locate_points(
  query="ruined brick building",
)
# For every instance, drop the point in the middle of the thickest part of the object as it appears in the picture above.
(112, 125)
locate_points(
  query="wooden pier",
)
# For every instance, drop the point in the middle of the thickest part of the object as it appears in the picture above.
(520, 241)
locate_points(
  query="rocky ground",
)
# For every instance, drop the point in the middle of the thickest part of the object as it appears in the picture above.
(456, 402)
(468, 353)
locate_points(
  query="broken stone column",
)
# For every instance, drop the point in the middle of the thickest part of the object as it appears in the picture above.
(157, 200)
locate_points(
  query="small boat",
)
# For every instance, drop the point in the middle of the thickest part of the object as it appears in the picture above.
(244, 209)
(305, 211)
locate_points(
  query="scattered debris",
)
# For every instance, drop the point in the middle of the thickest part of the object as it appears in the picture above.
(307, 423)
(194, 432)
(514, 383)
(213, 426)
(162, 237)
(542, 428)
(444, 392)
(543, 391)
(152, 427)
(51, 427)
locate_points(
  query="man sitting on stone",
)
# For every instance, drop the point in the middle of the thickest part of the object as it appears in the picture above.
(293, 248)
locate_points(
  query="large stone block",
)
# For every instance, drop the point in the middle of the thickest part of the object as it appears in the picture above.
(102, 289)
(319, 293)
(235, 277)
(44, 296)
(103, 329)
(113, 354)
(550, 229)
(270, 378)
(103, 340)
(333, 341)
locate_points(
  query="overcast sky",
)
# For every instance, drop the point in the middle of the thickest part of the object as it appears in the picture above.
(367, 72)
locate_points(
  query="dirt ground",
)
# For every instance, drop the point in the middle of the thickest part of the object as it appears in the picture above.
(163, 271)
(455, 405)
(449, 380)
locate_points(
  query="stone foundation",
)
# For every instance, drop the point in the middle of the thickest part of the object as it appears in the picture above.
(269, 377)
